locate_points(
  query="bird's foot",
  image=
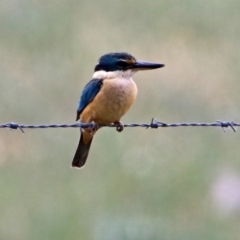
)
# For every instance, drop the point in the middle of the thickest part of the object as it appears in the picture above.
(82, 130)
(119, 126)
(93, 128)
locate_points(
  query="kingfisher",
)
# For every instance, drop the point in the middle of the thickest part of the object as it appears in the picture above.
(107, 97)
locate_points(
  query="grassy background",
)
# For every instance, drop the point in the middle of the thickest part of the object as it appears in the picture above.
(181, 183)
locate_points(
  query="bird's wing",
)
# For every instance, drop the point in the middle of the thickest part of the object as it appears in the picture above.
(88, 94)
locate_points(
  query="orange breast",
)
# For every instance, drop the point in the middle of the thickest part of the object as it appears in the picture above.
(112, 102)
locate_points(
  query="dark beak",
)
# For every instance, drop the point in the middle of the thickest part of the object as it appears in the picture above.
(139, 65)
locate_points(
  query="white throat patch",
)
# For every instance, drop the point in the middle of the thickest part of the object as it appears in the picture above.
(114, 74)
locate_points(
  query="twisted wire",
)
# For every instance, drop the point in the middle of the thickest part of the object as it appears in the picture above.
(153, 124)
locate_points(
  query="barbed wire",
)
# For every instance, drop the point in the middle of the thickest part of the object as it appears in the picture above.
(153, 124)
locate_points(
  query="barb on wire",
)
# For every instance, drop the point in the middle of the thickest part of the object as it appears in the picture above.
(153, 124)
(227, 124)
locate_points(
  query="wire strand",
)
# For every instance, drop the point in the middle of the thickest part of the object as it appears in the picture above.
(153, 124)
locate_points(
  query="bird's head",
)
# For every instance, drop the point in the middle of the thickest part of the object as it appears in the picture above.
(122, 62)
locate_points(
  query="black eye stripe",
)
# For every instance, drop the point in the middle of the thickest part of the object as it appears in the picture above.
(122, 63)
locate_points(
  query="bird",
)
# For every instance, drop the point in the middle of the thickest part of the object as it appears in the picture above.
(107, 97)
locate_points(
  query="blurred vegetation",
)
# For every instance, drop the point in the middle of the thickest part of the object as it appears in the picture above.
(141, 184)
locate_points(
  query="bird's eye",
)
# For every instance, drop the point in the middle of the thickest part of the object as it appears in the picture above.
(122, 64)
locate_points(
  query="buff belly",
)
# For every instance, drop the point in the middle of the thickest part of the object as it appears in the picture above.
(112, 102)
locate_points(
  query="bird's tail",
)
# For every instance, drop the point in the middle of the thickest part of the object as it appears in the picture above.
(81, 152)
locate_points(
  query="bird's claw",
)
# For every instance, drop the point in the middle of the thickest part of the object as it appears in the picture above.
(119, 126)
(93, 128)
(82, 130)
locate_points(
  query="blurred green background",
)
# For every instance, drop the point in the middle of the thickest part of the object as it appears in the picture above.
(176, 183)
